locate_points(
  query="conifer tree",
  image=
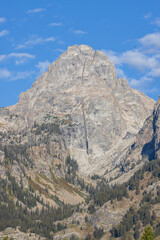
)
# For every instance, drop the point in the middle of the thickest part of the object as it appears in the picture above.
(148, 234)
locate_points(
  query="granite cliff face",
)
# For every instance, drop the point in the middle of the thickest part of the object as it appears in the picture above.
(99, 114)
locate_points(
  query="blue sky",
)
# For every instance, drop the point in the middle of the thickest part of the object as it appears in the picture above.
(34, 33)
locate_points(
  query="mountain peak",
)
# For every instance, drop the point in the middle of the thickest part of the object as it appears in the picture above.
(84, 52)
(80, 48)
(81, 89)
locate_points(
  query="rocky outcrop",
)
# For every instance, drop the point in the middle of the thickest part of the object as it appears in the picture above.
(2, 166)
(99, 114)
(9, 121)
(68, 234)
(12, 233)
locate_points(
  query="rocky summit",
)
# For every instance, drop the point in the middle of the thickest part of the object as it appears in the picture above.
(99, 114)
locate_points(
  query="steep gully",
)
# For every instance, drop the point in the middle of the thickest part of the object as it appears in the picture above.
(83, 106)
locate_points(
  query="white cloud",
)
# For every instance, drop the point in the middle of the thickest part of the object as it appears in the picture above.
(13, 76)
(4, 73)
(2, 19)
(146, 59)
(20, 61)
(134, 58)
(36, 10)
(155, 72)
(21, 75)
(79, 32)
(56, 24)
(120, 73)
(138, 60)
(4, 33)
(42, 66)
(50, 39)
(141, 83)
(19, 57)
(113, 56)
(156, 22)
(135, 83)
(151, 40)
(147, 15)
(59, 50)
(157, 56)
(35, 40)
(2, 57)
(30, 42)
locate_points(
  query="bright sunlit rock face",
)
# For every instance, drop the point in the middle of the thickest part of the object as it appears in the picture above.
(99, 114)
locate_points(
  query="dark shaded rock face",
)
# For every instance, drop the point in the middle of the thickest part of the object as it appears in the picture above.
(152, 148)
(146, 145)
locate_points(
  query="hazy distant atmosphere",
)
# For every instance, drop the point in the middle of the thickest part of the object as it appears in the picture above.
(34, 33)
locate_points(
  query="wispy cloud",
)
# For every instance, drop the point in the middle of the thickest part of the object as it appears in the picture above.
(79, 32)
(2, 19)
(155, 72)
(7, 75)
(113, 56)
(143, 84)
(147, 15)
(120, 73)
(50, 39)
(4, 73)
(42, 66)
(36, 10)
(151, 40)
(21, 75)
(59, 50)
(2, 57)
(35, 40)
(4, 33)
(140, 83)
(156, 22)
(55, 24)
(146, 59)
(19, 57)
(137, 59)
